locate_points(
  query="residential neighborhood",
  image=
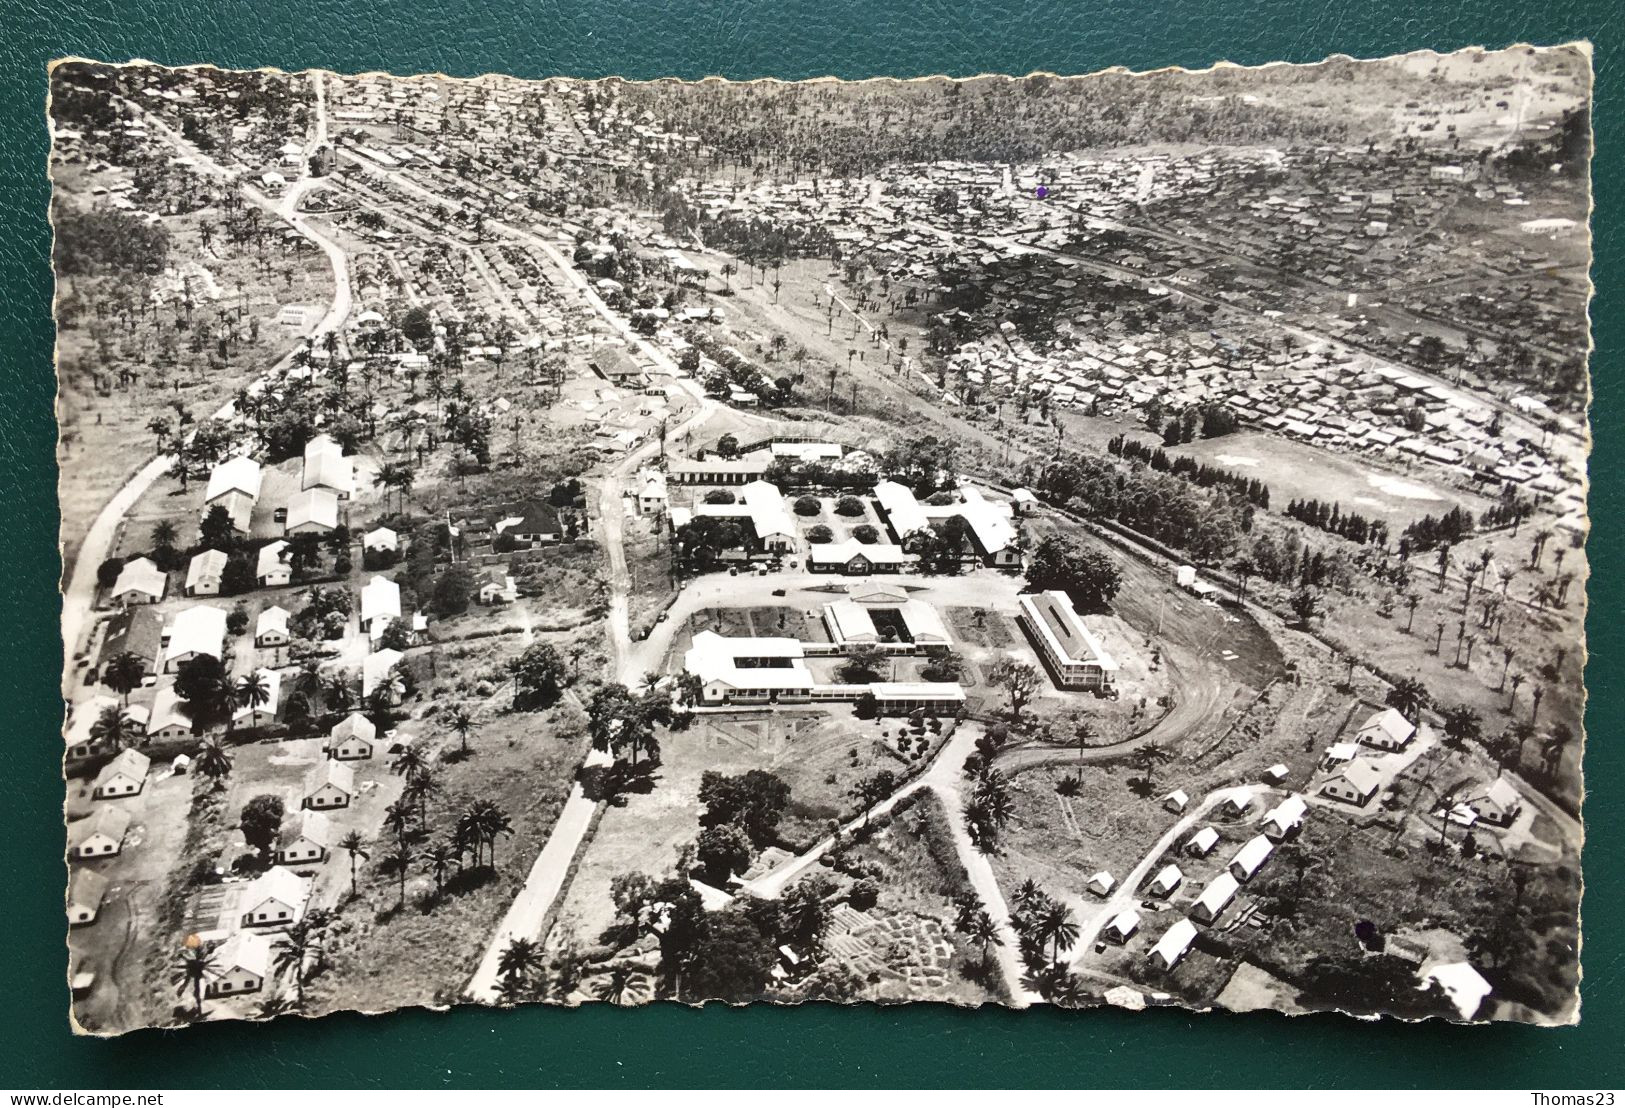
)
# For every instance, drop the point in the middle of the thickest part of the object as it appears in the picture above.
(1115, 539)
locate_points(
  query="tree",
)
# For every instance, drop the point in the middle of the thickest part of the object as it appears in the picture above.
(207, 690)
(618, 982)
(353, 845)
(253, 691)
(452, 590)
(1409, 697)
(123, 674)
(217, 531)
(114, 729)
(295, 948)
(1306, 606)
(808, 906)
(722, 851)
(871, 790)
(261, 822)
(213, 762)
(729, 960)
(518, 960)
(1088, 577)
(984, 932)
(753, 801)
(196, 965)
(1146, 759)
(461, 722)
(400, 859)
(1057, 926)
(1018, 679)
(538, 676)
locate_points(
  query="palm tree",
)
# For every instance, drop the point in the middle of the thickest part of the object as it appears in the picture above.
(408, 762)
(462, 723)
(439, 858)
(401, 859)
(1058, 928)
(614, 987)
(196, 965)
(418, 790)
(124, 673)
(1443, 561)
(114, 729)
(516, 962)
(1411, 601)
(213, 762)
(399, 818)
(273, 1006)
(1027, 896)
(252, 691)
(294, 949)
(491, 821)
(164, 535)
(1409, 697)
(352, 844)
(1147, 758)
(984, 932)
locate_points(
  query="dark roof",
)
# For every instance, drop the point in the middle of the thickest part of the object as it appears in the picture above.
(136, 630)
(538, 517)
(612, 361)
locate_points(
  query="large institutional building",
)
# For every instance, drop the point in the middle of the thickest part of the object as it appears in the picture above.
(1075, 655)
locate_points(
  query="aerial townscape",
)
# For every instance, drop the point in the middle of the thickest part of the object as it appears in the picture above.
(1053, 540)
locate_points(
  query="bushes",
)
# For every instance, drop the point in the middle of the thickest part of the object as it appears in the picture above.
(820, 534)
(808, 506)
(849, 506)
(866, 533)
(720, 496)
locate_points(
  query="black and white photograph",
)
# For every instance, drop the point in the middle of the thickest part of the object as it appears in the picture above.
(1073, 540)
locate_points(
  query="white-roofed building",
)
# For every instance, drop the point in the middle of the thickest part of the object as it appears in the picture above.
(272, 567)
(234, 485)
(762, 504)
(381, 538)
(1075, 656)
(380, 603)
(890, 620)
(856, 559)
(306, 839)
(329, 784)
(1285, 818)
(243, 963)
(99, 835)
(375, 670)
(1174, 944)
(312, 512)
(169, 719)
(1463, 985)
(259, 715)
(140, 581)
(271, 627)
(352, 738)
(1216, 897)
(901, 510)
(276, 898)
(1122, 926)
(1356, 783)
(124, 776)
(205, 573)
(1176, 801)
(1386, 730)
(1251, 857)
(1499, 804)
(1101, 884)
(193, 633)
(326, 467)
(1201, 844)
(1168, 879)
(86, 891)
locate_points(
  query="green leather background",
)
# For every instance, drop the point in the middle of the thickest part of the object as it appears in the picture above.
(667, 1045)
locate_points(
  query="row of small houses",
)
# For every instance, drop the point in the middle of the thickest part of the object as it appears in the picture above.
(1278, 823)
(274, 899)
